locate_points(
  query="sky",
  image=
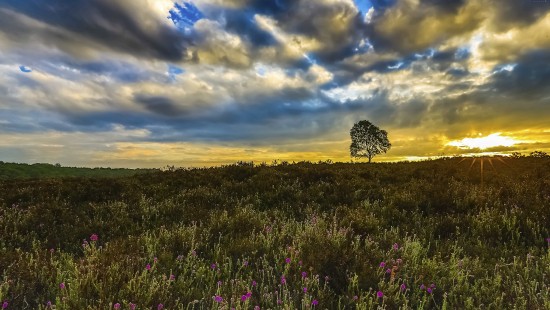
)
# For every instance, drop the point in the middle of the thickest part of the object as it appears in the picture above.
(150, 83)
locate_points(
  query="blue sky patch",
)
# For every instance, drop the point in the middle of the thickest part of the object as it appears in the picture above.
(25, 69)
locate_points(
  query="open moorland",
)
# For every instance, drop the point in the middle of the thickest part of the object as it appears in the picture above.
(440, 234)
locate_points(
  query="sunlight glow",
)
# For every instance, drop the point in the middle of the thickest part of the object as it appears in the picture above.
(492, 140)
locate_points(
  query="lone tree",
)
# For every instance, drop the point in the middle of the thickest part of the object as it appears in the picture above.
(367, 140)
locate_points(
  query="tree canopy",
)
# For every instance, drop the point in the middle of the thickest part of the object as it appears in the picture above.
(367, 140)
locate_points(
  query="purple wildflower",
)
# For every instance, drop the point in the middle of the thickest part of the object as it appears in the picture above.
(5, 305)
(388, 270)
(62, 285)
(52, 250)
(213, 266)
(287, 260)
(160, 307)
(219, 283)
(245, 263)
(132, 306)
(283, 279)
(315, 302)
(304, 274)
(155, 259)
(403, 287)
(432, 285)
(148, 267)
(300, 262)
(180, 257)
(257, 308)
(94, 237)
(355, 298)
(382, 264)
(422, 286)
(429, 290)
(379, 294)
(305, 289)
(399, 261)
(172, 277)
(116, 306)
(395, 246)
(254, 283)
(218, 298)
(548, 240)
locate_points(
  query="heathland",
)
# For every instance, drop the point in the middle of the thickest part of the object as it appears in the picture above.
(440, 234)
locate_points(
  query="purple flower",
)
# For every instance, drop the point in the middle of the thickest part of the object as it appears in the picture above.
(304, 274)
(305, 289)
(160, 307)
(49, 304)
(52, 250)
(155, 259)
(257, 308)
(399, 261)
(62, 285)
(379, 294)
(432, 285)
(194, 253)
(548, 240)
(218, 298)
(219, 283)
(180, 257)
(132, 306)
(403, 287)
(388, 270)
(94, 237)
(315, 302)
(279, 301)
(116, 306)
(148, 267)
(429, 290)
(287, 260)
(283, 279)
(213, 266)
(382, 264)
(5, 305)
(245, 263)
(300, 262)
(172, 277)
(254, 283)
(395, 246)
(246, 296)
(422, 286)
(355, 298)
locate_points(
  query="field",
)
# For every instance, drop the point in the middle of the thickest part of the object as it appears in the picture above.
(422, 235)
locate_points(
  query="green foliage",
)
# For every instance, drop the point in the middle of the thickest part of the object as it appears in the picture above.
(367, 140)
(426, 235)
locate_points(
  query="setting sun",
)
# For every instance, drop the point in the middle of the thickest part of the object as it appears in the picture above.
(492, 140)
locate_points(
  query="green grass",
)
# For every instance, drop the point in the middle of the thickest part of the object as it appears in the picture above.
(11, 171)
(218, 234)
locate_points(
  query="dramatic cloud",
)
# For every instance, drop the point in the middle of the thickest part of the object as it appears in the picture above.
(155, 82)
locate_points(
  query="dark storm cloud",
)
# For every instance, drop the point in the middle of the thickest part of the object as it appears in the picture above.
(108, 24)
(511, 13)
(529, 78)
(159, 105)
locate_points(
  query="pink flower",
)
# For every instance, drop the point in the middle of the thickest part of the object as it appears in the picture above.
(355, 297)
(315, 302)
(160, 307)
(395, 246)
(403, 287)
(155, 259)
(388, 270)
(116, 306)
(132, 306)
(62, 285)
(254, 283)
(245, 263)
(172, 277)
(94, 237)
(300, 262)
(279, 301)
(257, 308)
(218, 299)
(283, 279)
(148, 267)
(382, 264)
(379, 294)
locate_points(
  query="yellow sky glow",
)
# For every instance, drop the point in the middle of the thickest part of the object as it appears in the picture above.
(492, 140)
